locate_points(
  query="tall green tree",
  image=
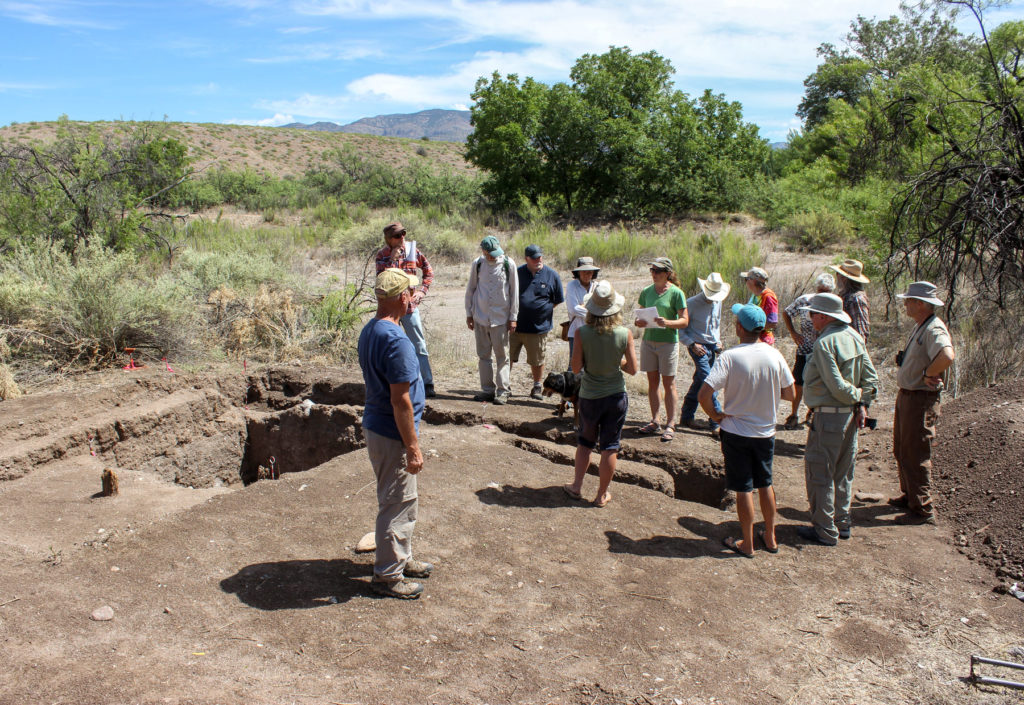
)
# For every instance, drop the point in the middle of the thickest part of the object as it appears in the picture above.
(88, 185)
(617, 140)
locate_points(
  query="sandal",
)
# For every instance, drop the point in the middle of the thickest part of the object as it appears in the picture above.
(792, 422)
(669, 434)
(602, 502)
(571, 493)
(650, 429)
(730, 543)
(760, 535)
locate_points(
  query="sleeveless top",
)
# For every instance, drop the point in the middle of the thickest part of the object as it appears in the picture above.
(602, 357)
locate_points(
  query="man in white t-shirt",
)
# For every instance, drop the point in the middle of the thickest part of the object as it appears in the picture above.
(755, 377)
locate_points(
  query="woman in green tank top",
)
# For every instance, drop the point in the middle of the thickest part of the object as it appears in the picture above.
(603, 350)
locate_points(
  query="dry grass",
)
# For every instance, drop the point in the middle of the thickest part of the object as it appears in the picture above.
(8, 387)
(274, 151)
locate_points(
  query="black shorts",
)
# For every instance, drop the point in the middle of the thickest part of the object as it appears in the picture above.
(748, 461)
(798, 369)
(601, 422)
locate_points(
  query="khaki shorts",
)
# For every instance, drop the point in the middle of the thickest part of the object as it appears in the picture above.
(534, 344)
(662, 358)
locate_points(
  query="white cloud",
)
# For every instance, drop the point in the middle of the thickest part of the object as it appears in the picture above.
(275, 121)
(50, 14)
(26, 87)
(341, 51)
(210, 88)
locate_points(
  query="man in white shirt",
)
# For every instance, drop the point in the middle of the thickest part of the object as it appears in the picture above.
(755, 377)
(492, 307)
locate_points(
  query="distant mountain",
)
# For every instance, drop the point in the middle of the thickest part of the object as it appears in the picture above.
(773, 145)
(440, 125)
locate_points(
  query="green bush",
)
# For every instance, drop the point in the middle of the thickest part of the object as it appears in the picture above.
(812, 232)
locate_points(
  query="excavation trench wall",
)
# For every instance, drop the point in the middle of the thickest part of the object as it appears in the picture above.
(224, 432)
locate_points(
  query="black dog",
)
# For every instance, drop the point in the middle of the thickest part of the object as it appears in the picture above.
(567, 386)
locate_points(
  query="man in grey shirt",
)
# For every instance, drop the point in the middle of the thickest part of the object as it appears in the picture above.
(492, 307)
(703, 340)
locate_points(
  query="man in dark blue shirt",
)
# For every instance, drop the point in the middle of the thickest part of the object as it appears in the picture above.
(391, 416)
(540, 290)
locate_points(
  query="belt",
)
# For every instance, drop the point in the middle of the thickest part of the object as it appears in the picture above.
(833, 409)
(919, 391)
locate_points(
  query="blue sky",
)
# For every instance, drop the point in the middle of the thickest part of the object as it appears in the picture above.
(271, 62)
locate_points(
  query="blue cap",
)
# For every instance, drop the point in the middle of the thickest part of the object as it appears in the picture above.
(490, 245)
(751, 317)
(533, 251)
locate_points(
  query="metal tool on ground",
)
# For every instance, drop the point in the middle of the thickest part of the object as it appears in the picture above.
(985, 680)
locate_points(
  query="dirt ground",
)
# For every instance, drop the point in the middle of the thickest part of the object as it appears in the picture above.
(230, 593)
(227, 586)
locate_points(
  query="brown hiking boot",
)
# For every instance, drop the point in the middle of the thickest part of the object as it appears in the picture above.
(417, 569)
(402, 589)
(900, 501)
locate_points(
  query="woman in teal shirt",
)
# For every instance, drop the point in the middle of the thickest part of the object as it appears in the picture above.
(602, 352)
(659, 351)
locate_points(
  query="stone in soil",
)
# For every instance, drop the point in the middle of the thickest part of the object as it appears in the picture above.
(102, 614)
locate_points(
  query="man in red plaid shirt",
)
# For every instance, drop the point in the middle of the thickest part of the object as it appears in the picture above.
(406, 256)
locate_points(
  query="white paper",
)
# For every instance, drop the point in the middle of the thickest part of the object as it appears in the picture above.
(648, 314)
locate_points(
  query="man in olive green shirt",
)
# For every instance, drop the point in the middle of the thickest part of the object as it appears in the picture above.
(923, 364)
(840, 383)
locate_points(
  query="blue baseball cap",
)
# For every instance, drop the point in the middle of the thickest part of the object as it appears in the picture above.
(751, 317)
(534, 251)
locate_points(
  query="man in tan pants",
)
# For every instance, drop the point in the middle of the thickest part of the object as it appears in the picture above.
(923, 362)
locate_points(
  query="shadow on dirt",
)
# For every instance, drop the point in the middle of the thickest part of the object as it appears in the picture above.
(289, 585)
(522, 496)
(708, 544)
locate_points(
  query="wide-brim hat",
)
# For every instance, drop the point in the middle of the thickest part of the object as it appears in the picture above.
(394, 229)
(603, 300)
(852, 269)
(828, 304)
(662, 263)
(585, 264)
(755, 273)
(714, 288)
(924, 291)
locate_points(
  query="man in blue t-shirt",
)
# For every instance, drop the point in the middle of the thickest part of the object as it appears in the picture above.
(540, 290)
(391, 416)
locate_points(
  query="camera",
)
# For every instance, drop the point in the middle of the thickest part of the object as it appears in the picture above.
(870, 424)
(899, 358)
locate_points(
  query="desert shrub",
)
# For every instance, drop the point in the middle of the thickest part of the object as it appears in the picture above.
(341, 310)
(90, 308)
(449, 246)
(203, 272)
(8, 387)
(815, 231)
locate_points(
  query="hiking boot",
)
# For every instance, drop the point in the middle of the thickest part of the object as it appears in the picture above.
(501, 398)
(428, 390)
(417, 569)
(914, 519)
(807, 533)
(537, 392)
(402, 589)
(716, 433)
(900, 501)
(689, 423)
(483, 396)
(844, 534)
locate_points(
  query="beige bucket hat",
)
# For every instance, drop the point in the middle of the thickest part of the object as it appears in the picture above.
(852, 269)
(603, 300)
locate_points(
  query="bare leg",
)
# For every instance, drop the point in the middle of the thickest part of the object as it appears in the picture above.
(798, 390)
(582, 464)
(745, 511)
(538, 373)
(652, 394)
(606, 470)
(671, 398)
(766, 495)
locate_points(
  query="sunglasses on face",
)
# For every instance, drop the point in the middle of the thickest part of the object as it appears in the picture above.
(655, 270)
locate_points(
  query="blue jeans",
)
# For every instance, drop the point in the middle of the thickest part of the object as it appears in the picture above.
(701, 369)
(414, 329)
